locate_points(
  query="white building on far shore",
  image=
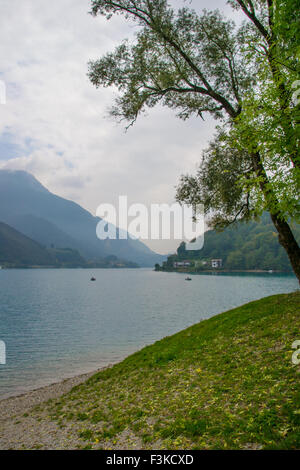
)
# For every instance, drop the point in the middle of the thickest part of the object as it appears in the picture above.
(217, 263)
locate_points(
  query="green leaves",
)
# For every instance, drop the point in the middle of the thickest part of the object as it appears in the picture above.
(186, 62)
(225, 183)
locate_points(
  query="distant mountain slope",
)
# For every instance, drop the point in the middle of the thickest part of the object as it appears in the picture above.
(49, 219)
(248, 246)
(17, 249)
(43, 231)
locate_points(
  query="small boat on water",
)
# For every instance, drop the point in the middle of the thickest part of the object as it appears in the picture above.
(188, 278)
(93, 278)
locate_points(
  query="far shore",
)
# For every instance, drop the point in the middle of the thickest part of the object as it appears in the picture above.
(225, 271)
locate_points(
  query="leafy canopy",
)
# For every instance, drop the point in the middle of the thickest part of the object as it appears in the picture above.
(190, 63)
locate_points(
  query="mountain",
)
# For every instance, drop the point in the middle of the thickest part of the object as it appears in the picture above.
(29, 207)
(243, 246)
(18, 250)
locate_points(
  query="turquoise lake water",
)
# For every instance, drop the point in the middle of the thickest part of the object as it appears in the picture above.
(56, 323)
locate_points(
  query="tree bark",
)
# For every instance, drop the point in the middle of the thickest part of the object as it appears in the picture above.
(289, 243)
(285, 235)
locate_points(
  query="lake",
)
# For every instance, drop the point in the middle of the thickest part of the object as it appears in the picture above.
(56, 323)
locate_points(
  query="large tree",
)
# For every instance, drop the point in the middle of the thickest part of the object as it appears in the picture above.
(244, 76)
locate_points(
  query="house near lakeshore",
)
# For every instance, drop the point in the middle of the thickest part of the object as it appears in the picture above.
(217, 263)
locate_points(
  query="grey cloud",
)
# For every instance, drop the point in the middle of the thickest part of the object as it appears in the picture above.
(76, 151)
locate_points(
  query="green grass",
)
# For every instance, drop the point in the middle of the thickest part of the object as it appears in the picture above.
(225, 383)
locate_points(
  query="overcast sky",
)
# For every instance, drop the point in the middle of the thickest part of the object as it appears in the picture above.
(55, 123)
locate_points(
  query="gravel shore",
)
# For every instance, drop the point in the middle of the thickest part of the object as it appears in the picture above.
(20, 429)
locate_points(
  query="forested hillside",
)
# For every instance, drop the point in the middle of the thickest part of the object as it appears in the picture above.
(248, 246)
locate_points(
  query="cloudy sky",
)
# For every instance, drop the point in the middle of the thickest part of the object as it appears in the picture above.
(54, 123)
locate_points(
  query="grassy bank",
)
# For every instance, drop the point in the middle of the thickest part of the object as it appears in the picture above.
(225, 383)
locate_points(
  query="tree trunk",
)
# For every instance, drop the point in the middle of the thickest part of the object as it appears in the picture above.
(285, 234)
(289, 243)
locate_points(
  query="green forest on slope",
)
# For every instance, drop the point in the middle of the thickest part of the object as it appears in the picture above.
(243, 246)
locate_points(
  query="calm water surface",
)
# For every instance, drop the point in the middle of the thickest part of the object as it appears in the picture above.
(56, 323)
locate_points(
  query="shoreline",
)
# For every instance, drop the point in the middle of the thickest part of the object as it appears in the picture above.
(24, 401)
(107, 415)
(226, 271)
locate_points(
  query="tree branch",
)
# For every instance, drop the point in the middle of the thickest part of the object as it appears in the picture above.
(251, 15)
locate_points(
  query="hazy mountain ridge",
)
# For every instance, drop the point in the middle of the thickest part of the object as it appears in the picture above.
(18, 250)
(49, 219)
